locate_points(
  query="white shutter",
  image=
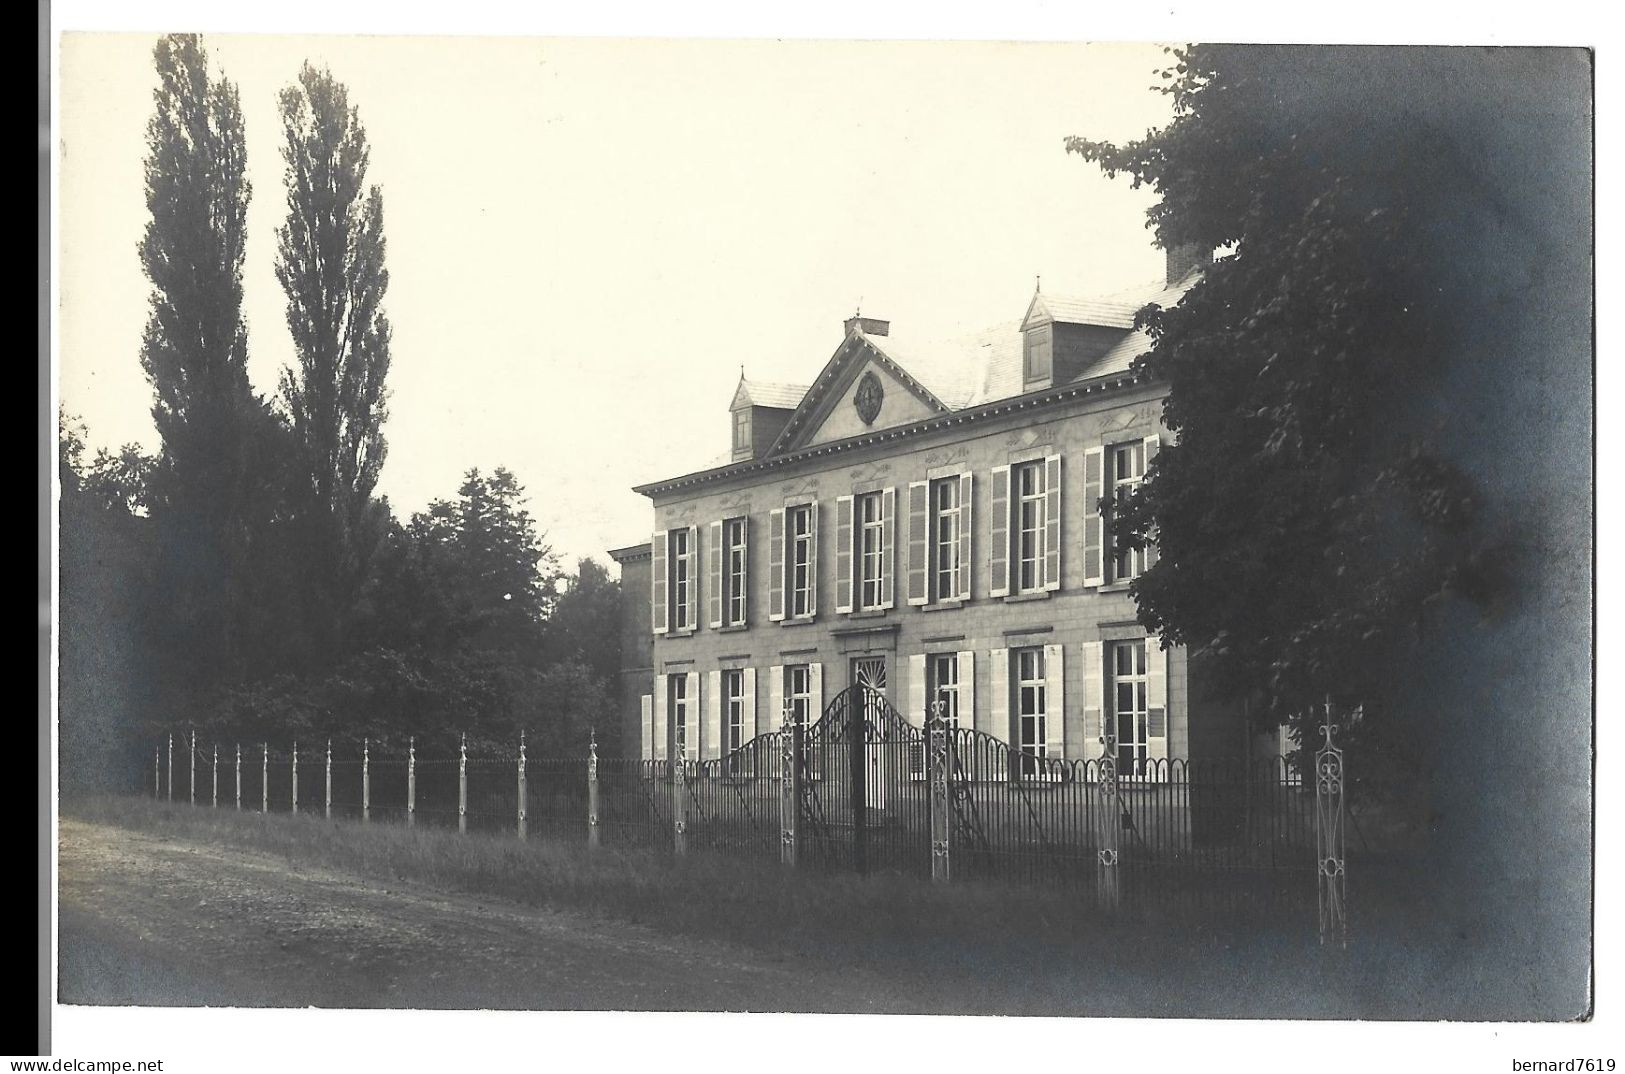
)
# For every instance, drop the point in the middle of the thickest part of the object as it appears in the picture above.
(693, 559)
(775, 566)
(919, 549)
(711, 743)
(843, 554)
(965, 542)
(815, 690)
(646, 725)
(1152, 443)
(1054, 703)
(916, 711)
(967, 688)
(657, 581)
(998, 722)
(888, 542)
(998, 555)
(775, 697)
(1094, 554)
(744, 571)
(748, 719)
(713, 584)
(813, 520)
(1156, 704)
(1052, 522)
(691, 719)
(661, 737)
(1094, 695)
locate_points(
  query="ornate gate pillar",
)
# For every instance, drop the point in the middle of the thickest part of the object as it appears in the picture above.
(679, 800)
(1329, 786)
(521, 790)
(411, 780)
(366, 779)
(790, 775)
(1110, 824)
(593, 837)
(462, 784)
(939, 773)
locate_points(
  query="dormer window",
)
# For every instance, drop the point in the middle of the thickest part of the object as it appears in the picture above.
(1039, 346)
(742, 429)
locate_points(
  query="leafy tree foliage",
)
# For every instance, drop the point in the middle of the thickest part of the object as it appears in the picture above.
(330, 262)
(1331, 489)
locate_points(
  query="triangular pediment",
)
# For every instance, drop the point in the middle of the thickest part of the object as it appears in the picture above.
(1037, 313)
(860, 390)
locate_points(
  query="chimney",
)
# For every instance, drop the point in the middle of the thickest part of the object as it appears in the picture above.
(1184, 257)
(871, 326)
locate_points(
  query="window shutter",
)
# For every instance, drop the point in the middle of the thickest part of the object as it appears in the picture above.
(749, 730)
(657, 581)
(815, 691)
(998, 722)
(775, 697)
(691, 719)
(1052, 522)
(888, 544)
(661, 738)
(744, 570)
(918, 542)
(714, 583)
(843, 554)
(1094, 560)
(916, 710)
(1054, 703)
(1152, 443)
(646, 728)
(693, 577)
(1156, 704)
(965, 542)
(815, 517)
(967, 688)
(999, 534)
(775, 565)
(1094, 694)
(711, 743)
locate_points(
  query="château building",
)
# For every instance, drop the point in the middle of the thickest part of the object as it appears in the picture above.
(924, 521)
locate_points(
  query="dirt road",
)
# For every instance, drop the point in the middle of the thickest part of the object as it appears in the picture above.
(149, 920)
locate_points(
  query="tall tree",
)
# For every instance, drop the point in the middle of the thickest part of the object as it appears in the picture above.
(195, 353)
(330, 262)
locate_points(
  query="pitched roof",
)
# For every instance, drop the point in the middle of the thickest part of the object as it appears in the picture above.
(769, 394)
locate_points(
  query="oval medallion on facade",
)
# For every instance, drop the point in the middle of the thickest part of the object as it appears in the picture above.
(868, 398)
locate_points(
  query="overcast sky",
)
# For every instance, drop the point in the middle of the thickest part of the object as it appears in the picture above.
(588, 239)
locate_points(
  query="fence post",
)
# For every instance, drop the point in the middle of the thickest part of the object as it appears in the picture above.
(939, 773)
(679, 800)
(214, 779)
(411, 780)
(1329, 837)
(169, 766)
(296, 775)
(522, 791)
(327, 804)
(265, 777)
(239, 746)
(366, 780)
(462, 785)
(157, 773)
(592, 790)
(1110, 824)
(191, 770)
(789, 785)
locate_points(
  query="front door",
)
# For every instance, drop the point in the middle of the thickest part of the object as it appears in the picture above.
(869, 673)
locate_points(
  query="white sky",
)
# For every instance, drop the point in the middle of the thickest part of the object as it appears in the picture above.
(589, 238)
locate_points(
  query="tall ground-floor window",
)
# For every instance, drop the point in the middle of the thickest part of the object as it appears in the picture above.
(1031, 707)
(942, 676)
(798, 691)
(1129, 711)
(677, 708)
(733, 709)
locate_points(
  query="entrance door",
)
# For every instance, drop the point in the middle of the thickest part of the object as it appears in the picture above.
(869, 673)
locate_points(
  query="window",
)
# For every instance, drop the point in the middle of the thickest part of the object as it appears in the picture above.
(1031, 707)
(677, 710)
(946, 543)
(682, 577)
(1028, 484)
(799, 527)
(871, 547)
(798, 691)
(942, 671)
(742, 429)
(1126, 468)
(733, 578)
(1038, 348)
(733, 709)
(1130, 711)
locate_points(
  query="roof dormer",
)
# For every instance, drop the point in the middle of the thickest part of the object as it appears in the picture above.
(758, 415)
